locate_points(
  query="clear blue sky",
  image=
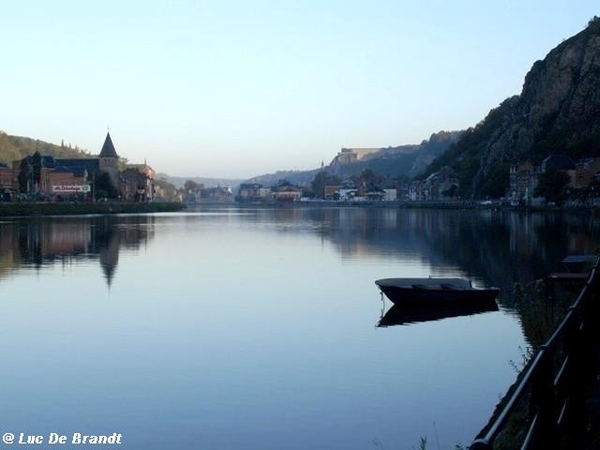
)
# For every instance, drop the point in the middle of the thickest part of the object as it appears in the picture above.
(242, 88)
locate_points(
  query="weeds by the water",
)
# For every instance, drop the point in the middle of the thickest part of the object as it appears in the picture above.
(526, 354)
(422, 445)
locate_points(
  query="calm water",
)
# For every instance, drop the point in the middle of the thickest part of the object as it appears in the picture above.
(257, 329)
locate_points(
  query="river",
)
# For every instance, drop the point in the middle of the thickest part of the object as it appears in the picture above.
(227, 328)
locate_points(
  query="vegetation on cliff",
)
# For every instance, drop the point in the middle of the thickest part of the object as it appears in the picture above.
(557, 112)
(14, 148)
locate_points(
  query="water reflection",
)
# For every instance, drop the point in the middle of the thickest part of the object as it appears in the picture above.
(493, 247)
(398, 315)
(35, 243)
(233, 324)
(498, 248)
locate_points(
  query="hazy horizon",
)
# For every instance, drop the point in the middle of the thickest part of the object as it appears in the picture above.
(234, 89)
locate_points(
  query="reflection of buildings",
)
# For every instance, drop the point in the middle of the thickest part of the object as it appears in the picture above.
(498, 248)
(37, 243)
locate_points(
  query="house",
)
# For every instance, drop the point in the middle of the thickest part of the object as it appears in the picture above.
(221, 194)
(375, 194)
(586, 171)
(558, 162)
(391, 195)
(287, 195)
(6, 178)
(332, 192)
(61, 176)
(135, 186)
(441, 185)
(523, 179)
(250, 192)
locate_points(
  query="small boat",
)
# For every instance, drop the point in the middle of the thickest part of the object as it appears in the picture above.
(434, 291)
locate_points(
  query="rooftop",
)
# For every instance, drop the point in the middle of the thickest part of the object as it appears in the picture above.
(108, 149)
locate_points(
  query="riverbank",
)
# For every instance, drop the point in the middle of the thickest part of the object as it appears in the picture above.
(61, 209)
(401, 204)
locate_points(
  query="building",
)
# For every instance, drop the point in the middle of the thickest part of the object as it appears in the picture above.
(391, 195)
(523, 179)
(287, 195)
(558, 162)
(109, 160)
(251, 192)
(586, 171)
(220, 194)
(49, 177)
(135, 186)
(350, 155)
(332, 192)
(441, 185)
(6, 178)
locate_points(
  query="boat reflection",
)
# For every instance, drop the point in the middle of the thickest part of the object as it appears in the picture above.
(406, 315)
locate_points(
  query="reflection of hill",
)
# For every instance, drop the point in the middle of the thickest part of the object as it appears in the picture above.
(500, 248)
(43, 242)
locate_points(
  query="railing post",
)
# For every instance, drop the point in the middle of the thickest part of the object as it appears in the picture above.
(543, 402)
(575, 344)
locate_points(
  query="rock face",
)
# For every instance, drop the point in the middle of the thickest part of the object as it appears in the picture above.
(404, 160)
(431, 149)
(407, 160)
(558, 110)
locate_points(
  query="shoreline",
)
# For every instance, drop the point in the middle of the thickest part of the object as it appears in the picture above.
(439, 205)
(24, 209)
(73, 209)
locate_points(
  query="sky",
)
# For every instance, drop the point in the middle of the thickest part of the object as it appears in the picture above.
(235, 89)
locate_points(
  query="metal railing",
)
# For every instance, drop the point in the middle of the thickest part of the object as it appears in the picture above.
(547, 403)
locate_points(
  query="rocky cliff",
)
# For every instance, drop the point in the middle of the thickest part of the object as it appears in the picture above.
(558, 111)
(404, 160)
(407, 160)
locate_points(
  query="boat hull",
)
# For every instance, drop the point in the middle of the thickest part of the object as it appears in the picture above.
(433, 292)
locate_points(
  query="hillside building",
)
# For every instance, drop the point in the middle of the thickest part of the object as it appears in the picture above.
(108, 160)
(59, 177)
(523, 179)
(350, 155)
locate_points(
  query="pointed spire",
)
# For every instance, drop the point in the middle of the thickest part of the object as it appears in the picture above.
(108, 149)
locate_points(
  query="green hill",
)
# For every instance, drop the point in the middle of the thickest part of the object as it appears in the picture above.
(13, 148)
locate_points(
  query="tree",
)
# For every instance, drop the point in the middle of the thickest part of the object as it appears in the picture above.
(25, 173)
(321, 180)
(166, 191)
(369, 179)
(36, 166)
(551, 185)
(497, 181)
(103, 186)
(191, 187)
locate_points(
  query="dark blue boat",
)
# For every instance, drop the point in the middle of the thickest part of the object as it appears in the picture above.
(434, 291)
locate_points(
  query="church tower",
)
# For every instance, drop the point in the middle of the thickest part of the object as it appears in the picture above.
(109, 160)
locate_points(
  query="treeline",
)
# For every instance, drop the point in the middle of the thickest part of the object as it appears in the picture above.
(15, 148)
(464, 157)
